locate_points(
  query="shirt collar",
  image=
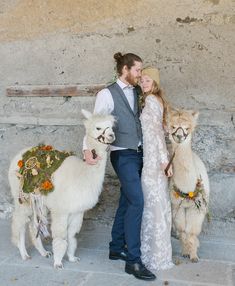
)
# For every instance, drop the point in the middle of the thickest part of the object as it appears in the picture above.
(124, 85)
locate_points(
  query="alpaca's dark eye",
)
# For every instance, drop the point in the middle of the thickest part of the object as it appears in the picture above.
(187, 129)
(98, 128)
(173, 127)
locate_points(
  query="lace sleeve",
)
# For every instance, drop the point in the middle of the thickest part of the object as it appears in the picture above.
(154, 133)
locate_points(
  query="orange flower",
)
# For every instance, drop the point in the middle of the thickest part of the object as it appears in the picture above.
(191, 194)
(20, 163)
(47, 185)
(47, 147)
(176, 195)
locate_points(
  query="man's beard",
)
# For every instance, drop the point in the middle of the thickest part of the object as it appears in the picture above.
(131, 80)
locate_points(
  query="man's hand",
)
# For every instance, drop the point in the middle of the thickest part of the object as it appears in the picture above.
(88, 157)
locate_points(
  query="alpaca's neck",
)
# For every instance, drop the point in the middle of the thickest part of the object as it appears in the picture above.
(183, 152)
(96, 171)
(183, 157)
(185, 171)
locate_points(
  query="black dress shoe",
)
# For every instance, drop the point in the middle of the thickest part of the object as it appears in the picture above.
(117, 255)
(139, 271)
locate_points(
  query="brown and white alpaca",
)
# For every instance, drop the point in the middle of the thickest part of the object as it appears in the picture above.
(77, 187)
(189, 186)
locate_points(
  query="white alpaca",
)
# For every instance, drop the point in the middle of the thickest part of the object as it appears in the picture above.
(77, 187)
(188, 168)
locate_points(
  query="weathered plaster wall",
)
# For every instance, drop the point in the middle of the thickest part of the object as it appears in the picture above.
(72, 42)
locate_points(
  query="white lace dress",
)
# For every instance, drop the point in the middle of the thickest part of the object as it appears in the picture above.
(156, 222)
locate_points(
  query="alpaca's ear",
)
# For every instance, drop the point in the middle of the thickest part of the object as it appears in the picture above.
(168, 108)
(86, 113)
(113, 119)
(172, 110)
(195, 115)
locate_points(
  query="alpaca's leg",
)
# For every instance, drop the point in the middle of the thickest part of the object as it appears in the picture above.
(178, 215)
(194, 221)
(19, 220)
(193, 243)
(184, 244)
(59, 224)
(37, 242)
(75, 223)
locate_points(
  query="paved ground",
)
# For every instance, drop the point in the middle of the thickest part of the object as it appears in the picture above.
(216, 266)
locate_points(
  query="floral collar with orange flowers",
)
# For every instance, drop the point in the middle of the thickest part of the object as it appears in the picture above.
(37, 166)
(193, 196)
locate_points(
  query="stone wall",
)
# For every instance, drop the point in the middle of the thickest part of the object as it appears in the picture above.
(72, 42)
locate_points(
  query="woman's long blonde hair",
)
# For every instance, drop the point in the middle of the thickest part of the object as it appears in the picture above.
(158, 92)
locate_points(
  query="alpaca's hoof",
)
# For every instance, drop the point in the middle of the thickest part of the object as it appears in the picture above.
(74, 259)
(194, 260)
(48, 254)
(58, 266)
(26, 257)
(185, 255)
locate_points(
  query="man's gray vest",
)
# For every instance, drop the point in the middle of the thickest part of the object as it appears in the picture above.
(128, 128)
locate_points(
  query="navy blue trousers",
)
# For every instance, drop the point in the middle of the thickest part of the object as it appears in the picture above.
(127, 223)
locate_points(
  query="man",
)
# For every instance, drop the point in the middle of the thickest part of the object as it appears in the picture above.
(121, 100)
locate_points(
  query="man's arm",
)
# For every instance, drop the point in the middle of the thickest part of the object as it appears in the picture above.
(104, 102)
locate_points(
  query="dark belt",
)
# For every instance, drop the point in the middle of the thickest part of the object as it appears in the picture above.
(138, 150)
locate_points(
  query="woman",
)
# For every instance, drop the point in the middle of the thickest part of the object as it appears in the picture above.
(156, 222)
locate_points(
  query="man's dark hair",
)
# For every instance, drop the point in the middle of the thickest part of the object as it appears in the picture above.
(125, 60)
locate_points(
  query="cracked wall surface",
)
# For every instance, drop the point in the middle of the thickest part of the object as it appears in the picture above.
(73, 42)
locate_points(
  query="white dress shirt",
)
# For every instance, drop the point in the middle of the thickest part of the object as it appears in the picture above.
(104, 104)
(104, 100)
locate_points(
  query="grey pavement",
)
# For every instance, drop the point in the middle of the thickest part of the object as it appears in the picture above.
(216, 265)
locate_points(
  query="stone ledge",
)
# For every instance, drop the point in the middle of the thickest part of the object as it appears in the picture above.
(43, 121)
(54, 90)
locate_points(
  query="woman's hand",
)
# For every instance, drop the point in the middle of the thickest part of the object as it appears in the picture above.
(170, 170)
